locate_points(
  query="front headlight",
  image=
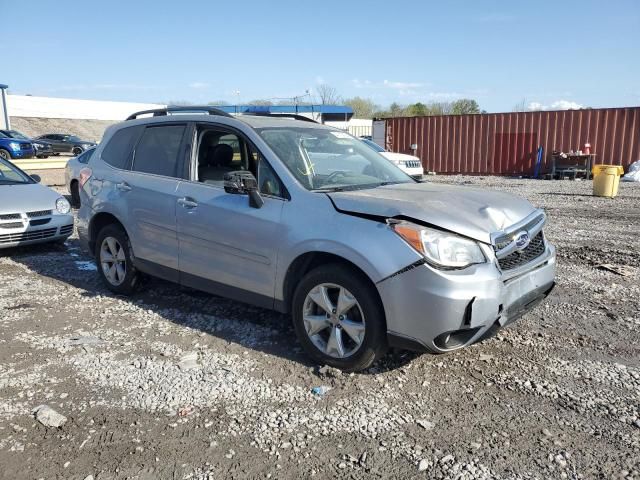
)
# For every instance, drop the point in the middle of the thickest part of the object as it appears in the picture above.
(38, 145)
(441, 249)
(62, 205)
(14, 145)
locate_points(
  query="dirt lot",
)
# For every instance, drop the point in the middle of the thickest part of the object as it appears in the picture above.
(176, 384)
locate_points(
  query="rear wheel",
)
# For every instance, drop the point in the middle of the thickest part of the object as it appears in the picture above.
(74, 190)
(4, 154)
(113, 255)
(338, 318)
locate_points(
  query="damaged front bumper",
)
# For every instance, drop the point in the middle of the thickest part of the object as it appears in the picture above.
(439, 311)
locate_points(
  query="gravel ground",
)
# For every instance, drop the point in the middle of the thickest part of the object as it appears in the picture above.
(176, 384)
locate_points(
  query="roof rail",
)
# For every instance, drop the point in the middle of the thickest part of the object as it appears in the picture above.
(162, 112)
(285, 115)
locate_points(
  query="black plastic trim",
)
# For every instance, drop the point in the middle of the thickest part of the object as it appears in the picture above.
(163, 112)
(210, 286)
(403, 342)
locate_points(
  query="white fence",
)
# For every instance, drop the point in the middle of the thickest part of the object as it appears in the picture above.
(49, 107)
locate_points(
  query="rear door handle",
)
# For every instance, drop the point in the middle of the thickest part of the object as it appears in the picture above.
(187, 202)
(123, 187)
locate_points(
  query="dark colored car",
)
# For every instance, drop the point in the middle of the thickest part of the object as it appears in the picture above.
(15, 148)
(65, 143)
(43, 148)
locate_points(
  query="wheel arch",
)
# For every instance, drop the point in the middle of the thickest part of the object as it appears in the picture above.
(306, 262)
(97, 223)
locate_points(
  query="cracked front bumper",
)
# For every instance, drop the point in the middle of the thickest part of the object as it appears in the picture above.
(440, 311)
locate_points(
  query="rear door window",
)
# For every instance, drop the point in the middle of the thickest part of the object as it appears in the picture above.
(117, 152)
(158, 150)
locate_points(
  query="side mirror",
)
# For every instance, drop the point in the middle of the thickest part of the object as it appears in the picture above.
(243, 182)
(36, 178)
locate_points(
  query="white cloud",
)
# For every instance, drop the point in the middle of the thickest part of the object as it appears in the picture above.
(199, 85)
(404, 88)
(557, 105)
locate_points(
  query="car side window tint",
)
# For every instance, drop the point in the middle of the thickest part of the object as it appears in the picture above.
(157, 151)
(86, 156)
(117, 152)
(268, 181)
(219, 152)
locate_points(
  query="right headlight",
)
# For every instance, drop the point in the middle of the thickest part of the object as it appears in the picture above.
(440, 249)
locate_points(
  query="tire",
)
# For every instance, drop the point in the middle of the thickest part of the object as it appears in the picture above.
(365, 318)
(75, 194)
(114, 240)
(5, 154)
(76, 151)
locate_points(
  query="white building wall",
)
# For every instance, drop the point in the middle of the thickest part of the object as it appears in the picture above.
(359, 127)
(50, 107)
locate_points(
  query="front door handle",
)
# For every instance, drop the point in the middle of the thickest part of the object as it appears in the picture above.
(187, 202)
(123, 187)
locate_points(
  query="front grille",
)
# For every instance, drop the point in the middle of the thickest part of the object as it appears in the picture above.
(521, 257)
(39, 213)
(25, 146)
(12, 225)
(66, 229)
(26, 236)
(40, 221)
(505, 239)
(412, 163)
(10, 216)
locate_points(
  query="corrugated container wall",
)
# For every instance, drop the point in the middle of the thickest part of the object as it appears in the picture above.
(506, 143)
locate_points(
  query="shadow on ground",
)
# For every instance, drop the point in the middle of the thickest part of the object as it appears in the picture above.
(68, 263)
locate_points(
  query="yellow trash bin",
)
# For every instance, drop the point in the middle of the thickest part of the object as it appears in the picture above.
(606, 179)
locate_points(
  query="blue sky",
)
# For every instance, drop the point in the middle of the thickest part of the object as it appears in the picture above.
(548, 53)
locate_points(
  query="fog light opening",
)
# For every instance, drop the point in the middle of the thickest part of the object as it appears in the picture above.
(455, 339)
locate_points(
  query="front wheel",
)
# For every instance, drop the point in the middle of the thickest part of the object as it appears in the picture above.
(4, 154)
(113, 255)
(76, 151)
(338, 318)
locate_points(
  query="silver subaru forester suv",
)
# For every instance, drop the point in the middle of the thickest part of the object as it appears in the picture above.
(291, 215)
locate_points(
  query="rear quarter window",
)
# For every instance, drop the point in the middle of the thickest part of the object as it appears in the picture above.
(117, 152)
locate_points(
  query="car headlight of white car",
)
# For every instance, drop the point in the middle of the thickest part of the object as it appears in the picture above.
(440, 249)
(63, 206)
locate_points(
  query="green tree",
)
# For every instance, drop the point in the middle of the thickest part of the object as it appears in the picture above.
(417, 110)
(362, 107)
(464, 106)
(396, 110)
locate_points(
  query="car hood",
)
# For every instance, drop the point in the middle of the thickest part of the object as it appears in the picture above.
(28, 197)
(15, 140)
(41, 142)
(398, 156)
(471, 212)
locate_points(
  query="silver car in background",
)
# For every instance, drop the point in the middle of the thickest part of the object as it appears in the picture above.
(30, 212)
(298, 217)
(72, 174)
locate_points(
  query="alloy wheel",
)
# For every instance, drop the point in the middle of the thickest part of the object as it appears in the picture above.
(333, 320)
(113, 261)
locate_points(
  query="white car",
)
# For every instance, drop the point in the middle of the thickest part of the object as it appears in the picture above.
(409, 164)
(72, 174)
(30, 212)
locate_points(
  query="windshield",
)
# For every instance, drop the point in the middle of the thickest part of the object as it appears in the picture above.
(17, 134)
(9, 174)
(323, 159)
(373, 145)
